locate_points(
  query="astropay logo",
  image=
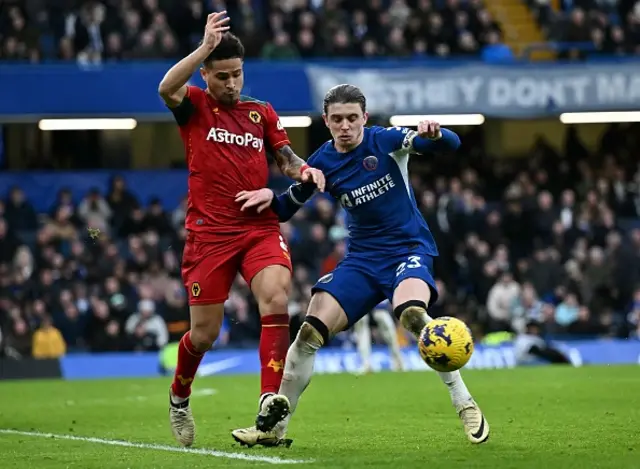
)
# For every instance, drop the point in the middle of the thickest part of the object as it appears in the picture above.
(245, 140)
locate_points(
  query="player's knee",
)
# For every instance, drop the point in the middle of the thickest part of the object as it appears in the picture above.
(411, 308)
(412, 315)
(203, 337)
(273, 300)
(313, 333)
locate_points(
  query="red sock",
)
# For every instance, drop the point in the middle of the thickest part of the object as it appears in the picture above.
(274, 343)
(188, 361)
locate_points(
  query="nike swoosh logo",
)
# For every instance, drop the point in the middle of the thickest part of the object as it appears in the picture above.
(216, 367)
(480, 431)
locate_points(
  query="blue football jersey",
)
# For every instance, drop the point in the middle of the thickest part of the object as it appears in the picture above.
(372, 184)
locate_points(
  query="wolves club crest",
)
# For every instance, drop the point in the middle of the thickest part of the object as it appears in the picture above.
(255, 117)
(195, 289)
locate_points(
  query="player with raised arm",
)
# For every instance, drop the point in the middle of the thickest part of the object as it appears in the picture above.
(390, 249)
(226, 136)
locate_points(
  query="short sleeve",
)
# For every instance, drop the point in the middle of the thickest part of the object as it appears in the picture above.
(187, 108)
(275, 134)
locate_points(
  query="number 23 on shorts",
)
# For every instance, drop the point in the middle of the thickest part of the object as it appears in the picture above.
(412, 262)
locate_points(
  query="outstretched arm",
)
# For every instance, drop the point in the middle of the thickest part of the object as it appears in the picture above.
(284, 205)
(429, 138)
(295, 167)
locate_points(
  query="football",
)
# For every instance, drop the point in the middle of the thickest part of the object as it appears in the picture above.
(446, 344)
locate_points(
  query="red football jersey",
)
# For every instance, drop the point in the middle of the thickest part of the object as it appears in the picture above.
(225, 149)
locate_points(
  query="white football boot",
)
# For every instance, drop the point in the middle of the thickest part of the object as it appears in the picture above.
(181, 420)
(275, 408)
(271, 406)
(475, 425)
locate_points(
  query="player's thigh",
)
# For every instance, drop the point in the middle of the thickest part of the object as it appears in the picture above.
(343, 297)
(413, 280)
(266, 267)
(329, 311)
(263, 248)
(209, 268)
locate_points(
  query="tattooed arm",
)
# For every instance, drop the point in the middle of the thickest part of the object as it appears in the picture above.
(295, 167)
(289, 163)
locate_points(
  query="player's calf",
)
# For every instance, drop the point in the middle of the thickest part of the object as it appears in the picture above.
(191, 350)
(413, 316)
(270, 287)
(180, 416)
(205, 327)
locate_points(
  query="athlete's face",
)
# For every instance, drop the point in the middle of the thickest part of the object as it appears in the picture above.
(224, 79)
(346, 123)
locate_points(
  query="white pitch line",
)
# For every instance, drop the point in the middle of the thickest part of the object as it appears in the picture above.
(172, 449)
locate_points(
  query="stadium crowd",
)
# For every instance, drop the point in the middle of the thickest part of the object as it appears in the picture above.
(113, 30)
(518, 242)
(603, 26)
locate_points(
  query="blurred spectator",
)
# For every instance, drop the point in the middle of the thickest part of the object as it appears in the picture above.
(501, 296)
(121, 201)
(94, 211)
(8, 243)
(17, 337)
(19, 213)
(146, 329)
(495, 51)
(280, 48)
(567, 311)
(47, 341)
(96, 31)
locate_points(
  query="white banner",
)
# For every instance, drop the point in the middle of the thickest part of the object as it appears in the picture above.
(515, 91)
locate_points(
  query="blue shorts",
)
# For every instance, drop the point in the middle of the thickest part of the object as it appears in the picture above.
(359, 283)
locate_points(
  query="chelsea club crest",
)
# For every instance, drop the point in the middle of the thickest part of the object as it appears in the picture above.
(370, 163)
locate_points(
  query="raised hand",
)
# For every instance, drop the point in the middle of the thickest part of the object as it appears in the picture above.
(217, 24)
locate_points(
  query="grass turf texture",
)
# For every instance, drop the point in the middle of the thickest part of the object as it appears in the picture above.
(540, 417)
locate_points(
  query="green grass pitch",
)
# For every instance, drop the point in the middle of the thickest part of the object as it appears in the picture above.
(543, 417)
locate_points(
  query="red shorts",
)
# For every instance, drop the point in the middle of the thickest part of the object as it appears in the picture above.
(210, 267)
